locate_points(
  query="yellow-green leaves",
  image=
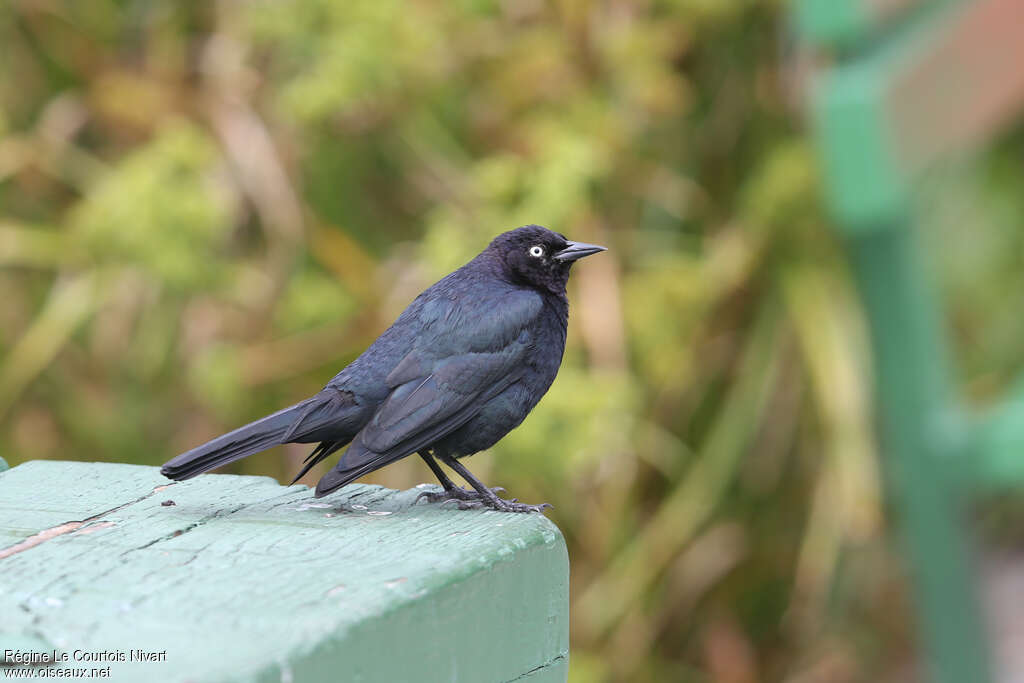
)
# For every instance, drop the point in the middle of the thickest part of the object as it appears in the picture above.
(164, 208)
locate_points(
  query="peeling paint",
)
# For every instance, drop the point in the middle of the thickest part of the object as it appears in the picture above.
(68, 527)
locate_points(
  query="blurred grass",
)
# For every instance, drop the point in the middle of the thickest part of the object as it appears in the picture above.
(207, 209)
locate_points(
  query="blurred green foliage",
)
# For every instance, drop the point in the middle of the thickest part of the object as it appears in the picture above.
(208, 209)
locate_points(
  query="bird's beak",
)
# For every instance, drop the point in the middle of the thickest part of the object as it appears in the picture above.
(577, 250)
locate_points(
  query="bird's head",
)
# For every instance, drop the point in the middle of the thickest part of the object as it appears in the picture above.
(539, 257)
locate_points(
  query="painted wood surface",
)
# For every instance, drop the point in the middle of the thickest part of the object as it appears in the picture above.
(841, 22)
(945, 85)
(242, 579)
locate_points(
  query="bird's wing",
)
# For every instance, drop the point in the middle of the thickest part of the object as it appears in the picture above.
(432, 396)
(422, 411)
(466, 349)
(480, 320)
(425, 408)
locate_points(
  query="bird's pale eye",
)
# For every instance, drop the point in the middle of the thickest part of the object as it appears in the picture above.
(536, 251)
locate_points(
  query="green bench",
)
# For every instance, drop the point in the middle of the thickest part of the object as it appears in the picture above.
(238, 578)
(906, 85)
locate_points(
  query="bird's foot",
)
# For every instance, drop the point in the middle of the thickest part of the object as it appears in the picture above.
(502, 505)
(454, 493)
(470, 499)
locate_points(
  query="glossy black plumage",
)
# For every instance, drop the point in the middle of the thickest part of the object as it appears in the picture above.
(460, 367)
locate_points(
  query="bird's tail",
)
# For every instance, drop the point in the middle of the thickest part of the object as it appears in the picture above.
(357, 461)
(252, 438)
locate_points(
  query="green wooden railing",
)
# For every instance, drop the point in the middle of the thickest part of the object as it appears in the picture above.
(910, 83)
(111, 571)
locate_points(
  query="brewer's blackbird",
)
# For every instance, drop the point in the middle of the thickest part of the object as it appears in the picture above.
(460, 368)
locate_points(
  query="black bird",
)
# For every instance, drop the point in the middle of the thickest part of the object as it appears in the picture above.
(460, 368)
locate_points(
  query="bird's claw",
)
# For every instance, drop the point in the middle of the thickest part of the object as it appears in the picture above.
(455, 493)
(515, 506)
(501, 505)
(473, 500)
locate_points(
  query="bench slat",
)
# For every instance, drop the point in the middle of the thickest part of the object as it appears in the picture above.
(243, 579)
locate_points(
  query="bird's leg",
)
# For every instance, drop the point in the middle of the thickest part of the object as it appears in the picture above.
(447, 483)
(486, 497)
(451, 491)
